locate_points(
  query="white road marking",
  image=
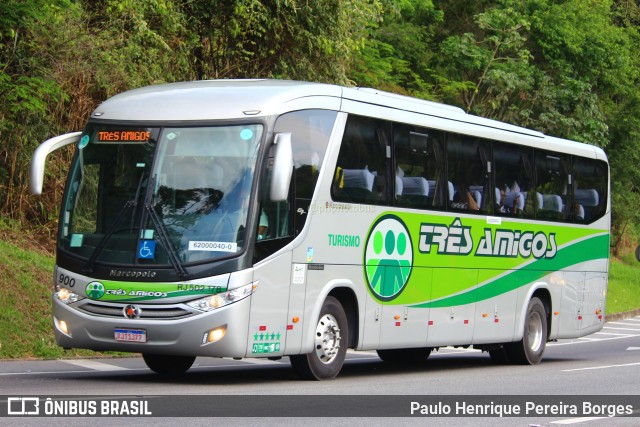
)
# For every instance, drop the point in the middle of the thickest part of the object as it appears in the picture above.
(554, 344)
(6, 374)
(96, 366)
(612, 333)
(591, 368)
(260, 361)
(363, 352)
(577, 420)
(622, 323)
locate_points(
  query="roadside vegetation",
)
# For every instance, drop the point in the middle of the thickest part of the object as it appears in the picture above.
(26, 280)
(624, 285)
(568, 68)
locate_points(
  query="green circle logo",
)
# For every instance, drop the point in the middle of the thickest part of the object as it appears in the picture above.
(388, 257)
(95, 290)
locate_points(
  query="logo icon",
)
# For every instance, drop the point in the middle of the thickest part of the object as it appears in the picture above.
(23, 406)
(388, 257)
(95, 290)
(131, 311)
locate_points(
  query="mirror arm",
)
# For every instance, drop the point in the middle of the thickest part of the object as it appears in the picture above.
(36, 176)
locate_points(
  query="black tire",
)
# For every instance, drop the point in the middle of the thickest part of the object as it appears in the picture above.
(400, 355)
(168, 365)
(529, 350)
(330, 345)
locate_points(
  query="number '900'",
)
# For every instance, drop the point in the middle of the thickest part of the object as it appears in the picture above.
(65, 280)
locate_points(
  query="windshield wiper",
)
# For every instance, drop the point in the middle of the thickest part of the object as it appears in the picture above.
(164, 241)
(157, 222)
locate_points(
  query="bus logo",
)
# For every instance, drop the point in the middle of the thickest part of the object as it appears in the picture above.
(95, 290)
(388, 257)
(131, 311)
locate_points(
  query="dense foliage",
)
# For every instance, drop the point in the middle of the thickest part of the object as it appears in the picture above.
(568, 68)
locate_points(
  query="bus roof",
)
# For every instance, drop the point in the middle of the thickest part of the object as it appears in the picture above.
(211, 99)
(232, 99)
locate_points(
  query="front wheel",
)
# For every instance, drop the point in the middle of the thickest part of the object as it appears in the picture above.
(330, 345)
(168, 365)
(529, 350)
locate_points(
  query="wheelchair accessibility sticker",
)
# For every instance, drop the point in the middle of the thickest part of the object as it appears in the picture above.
(146, 249)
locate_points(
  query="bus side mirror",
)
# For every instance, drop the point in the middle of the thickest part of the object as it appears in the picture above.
(36, 175)
(282, 167)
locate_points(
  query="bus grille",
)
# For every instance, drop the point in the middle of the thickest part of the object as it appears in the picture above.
(146, 312)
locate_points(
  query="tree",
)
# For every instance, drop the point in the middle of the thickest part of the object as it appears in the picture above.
(397, 54)
(281, 38)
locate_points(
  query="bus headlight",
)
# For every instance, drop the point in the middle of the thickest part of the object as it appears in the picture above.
(225, 298)
(65, 295)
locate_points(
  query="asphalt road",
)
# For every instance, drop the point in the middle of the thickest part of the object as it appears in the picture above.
(589, 368)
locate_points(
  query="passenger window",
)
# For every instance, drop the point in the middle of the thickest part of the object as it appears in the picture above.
(589, 189)
(362, 169)
(552, 186)
(467, 173)
(513, 180)
(419, 181)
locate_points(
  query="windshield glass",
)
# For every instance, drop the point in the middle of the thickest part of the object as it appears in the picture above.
(160, 195)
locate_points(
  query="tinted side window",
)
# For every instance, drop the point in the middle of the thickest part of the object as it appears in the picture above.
(310, 132)
(467, 173)
(362, 168)
(589, 189)
(513, 180)
(419, 167)
(551, 186)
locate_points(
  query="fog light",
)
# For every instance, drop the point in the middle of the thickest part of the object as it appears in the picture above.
(62, 326)
(214, 335)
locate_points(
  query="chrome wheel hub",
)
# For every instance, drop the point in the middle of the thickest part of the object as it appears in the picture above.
(327, 340)
(534, 337)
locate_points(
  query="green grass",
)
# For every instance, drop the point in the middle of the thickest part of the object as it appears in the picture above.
(624, 285)
(26, 326)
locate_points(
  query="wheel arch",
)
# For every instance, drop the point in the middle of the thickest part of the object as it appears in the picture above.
(344, 291)
(349, 301)
(541, 291)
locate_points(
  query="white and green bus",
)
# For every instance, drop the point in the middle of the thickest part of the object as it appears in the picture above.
(263, 218)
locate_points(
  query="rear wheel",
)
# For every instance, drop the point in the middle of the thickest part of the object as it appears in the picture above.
(529, 350)
(397, 355)
(330, 344)
(168, 365)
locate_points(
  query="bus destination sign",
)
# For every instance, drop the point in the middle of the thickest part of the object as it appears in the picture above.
(129, 136)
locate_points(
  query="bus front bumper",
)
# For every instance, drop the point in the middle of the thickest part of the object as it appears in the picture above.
(218, 333)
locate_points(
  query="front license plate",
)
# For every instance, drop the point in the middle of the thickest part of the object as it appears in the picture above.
(130, 335)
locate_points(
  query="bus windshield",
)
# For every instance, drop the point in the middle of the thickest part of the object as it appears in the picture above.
(157, 196)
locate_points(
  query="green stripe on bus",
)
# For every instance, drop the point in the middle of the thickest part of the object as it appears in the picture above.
(586, 250)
